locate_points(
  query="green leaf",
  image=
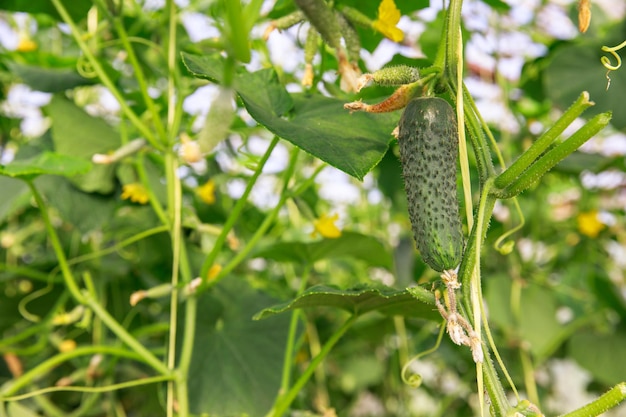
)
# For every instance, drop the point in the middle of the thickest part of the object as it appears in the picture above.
(538, 325)
(349, 244)
(50, 80)
(86, 211)
(77, 9)
(45, 163)
(236, 362)
(353, 143)
(12, 190)
(413, 302)
(498, 5)
(600, 354)
(76, 133)
(576, 68)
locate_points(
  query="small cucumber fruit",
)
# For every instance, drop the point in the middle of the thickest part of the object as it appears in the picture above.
(428, 143)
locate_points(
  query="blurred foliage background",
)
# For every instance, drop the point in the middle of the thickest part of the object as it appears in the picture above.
(334, 215)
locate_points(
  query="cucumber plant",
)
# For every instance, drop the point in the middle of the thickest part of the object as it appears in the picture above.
(427, 125)
(106, 327)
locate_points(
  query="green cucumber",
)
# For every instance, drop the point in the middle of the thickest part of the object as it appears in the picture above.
(428, 143)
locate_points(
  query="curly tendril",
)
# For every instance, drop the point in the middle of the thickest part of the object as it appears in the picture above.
(84, 68)
(606, 62)
(415, 380)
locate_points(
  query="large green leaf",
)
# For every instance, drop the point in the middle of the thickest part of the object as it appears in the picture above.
(353, 143)
(45, 163)
(600, 354)
(413, 302)
(86, 211)
(349, 244)
(76, 133)
(575, 68)
(77, 9)
(538, 325)
(236, 362)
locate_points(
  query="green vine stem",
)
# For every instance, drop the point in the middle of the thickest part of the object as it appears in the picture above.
(544, 141)
(453, 39)
(291, 336)
(11, 388)
(265, 225)
(86, 298)
(103, 76)
(608, 400)
(107, 388)
(68, 277)
(112, 249)
(554, 156)
(138, 71)
(235, 212)
(283, 402)
(147, 356)
(26, 272)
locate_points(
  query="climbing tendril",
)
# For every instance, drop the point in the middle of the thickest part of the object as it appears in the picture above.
(606, 62)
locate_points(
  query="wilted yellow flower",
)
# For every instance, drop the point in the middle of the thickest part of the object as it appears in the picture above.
(206, 192)
(589, 224)
(135, 192)
(26, 45)
(326, 227)
(388, 18)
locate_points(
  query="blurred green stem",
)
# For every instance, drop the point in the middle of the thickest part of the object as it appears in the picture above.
(68, 277)
(267, 222)
(139, 75)
(103, 76)
(122, 333)
(291, 337)
(14, 386)
(235, 212)
(283, 403)
(608, 400)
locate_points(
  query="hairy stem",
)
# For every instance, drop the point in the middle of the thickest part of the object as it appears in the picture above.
(544, 141)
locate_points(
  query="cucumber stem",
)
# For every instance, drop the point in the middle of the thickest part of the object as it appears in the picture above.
(527, 158)
(554, 156)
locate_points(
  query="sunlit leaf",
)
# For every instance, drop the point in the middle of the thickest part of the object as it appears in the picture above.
(45, 163)
(353, 143)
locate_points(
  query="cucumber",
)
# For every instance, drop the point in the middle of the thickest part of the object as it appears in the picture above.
(428, 143)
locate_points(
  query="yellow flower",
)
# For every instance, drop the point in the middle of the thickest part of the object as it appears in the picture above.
(206, 192)
(26, 45)
(326, 227)
(388, 18)
(67, 345)
(214, 271)
(135, 192)
(589, 224)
